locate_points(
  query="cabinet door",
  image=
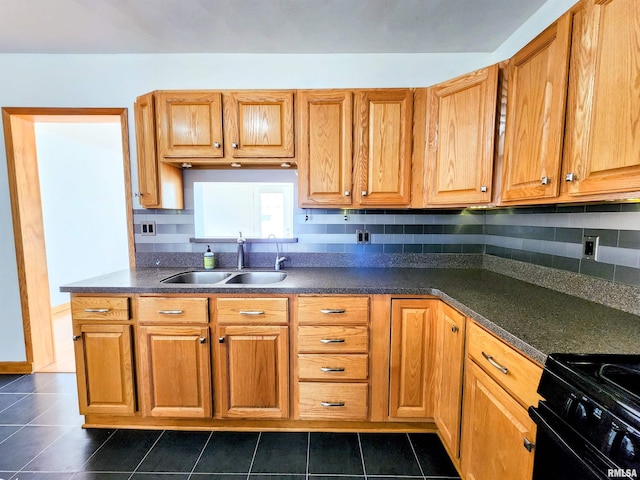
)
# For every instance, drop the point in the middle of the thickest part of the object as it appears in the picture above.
(189, 125)
(411, 358)
(460, 138)
(537, 90)
(160, 184)
(104, 367)
(383, 133)
(603, 111)
(325, 150)
(254, 371)
(448, 384)
(175, 371)
(260, 124)
(495, 430)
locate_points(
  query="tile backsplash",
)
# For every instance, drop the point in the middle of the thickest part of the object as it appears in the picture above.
(549, 236)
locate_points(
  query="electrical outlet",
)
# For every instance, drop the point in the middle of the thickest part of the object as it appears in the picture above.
(363, 237)
(148, 228)
(590, 246)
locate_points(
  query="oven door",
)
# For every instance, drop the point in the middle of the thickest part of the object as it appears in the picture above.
(562, 454)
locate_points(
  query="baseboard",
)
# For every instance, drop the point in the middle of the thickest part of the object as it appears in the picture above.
(65, 307)
(16, 367)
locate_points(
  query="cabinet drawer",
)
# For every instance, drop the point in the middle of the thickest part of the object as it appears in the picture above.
(172, 310)
(321, 366)
(333, 310)
(320, 339)
(252, 310)
(100, 308)
(333, 401)
(511, 369)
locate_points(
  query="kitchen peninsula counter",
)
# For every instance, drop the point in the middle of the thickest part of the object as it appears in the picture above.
(536, 320)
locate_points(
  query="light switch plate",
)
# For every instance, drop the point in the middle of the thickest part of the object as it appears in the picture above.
(147, 228)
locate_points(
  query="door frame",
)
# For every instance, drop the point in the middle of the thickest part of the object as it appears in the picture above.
(28, 229)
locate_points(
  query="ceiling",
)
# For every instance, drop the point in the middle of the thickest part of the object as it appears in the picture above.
(259, 26)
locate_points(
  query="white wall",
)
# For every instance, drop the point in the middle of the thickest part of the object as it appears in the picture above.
(116, 80)
(83, 201)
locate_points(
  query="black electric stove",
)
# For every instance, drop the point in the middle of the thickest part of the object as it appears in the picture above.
(589, 420)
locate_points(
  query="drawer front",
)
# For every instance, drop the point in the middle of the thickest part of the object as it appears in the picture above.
(511, 369)
(100, 308)
(333, 310)
(172, 310)
(321, 339)
(321, 366)
(240, 311)
(333, 401)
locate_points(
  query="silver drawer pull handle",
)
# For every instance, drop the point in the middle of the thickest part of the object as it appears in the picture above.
(332, 369)
(96, 310)
(332, 311)
(332, 404)
(495, 364)
(332, 340)
(170, 312)
(251, 312)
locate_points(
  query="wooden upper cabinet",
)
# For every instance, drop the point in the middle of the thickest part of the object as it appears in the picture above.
(160, 185)
(602, 144)
(189, 124)
(260, 124)
(325, 147)
(537, 91)
(459, 157)
(383, 121)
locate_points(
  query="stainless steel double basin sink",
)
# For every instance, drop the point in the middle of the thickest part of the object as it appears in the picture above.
(227, 278)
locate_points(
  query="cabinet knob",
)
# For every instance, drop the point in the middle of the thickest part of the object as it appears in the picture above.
(483, 188)
(545, 180)
(220, 339)
(216, 144)
(234, 145)
(203, 340)
(76, 338)
(454, 328)
(364, 193)
(570, 177)
(347, 193)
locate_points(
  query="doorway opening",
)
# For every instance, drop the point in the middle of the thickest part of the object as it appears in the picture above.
(72, 214)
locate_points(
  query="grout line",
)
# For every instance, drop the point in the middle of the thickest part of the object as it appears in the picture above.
(146, 455)
(98, 449)
(255, 452)
(200, 456)
(11, 383)
(364, 468)
(308, 454)
(41, 451)
(415, 455)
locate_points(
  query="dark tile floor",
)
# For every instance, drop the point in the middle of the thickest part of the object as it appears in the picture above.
(41, 439)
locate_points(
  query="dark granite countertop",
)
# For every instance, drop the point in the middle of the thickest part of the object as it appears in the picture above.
(536, 320)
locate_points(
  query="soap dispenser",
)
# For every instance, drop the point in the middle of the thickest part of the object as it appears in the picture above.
(209, 259)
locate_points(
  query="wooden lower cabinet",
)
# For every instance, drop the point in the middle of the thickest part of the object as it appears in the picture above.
(175, 371)
(253, 371)
(496, 429)
(104, 369)
(411, 358)
(450, 335)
